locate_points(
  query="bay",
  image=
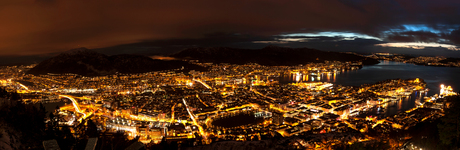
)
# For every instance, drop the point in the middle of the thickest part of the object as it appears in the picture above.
(433, 76)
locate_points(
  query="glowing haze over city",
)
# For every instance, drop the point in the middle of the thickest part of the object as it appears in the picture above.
(262, 74)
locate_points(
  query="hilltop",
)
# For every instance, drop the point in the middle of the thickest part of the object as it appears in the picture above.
(86, 62)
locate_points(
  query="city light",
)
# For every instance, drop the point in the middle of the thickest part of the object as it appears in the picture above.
(172, 105)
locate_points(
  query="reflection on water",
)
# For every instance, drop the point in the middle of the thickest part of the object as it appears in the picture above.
(433, 76)
(316, 77)
(396, 106)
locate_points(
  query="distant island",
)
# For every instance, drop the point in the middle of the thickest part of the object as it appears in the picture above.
(269, 56)
(436, 61)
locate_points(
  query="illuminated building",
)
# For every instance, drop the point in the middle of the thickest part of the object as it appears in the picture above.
(278, 118)
(446, 91)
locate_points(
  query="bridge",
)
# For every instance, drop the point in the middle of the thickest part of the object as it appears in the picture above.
(75, 105)
(206, 85)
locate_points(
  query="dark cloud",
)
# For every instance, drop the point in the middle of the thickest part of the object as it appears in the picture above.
(31, 27)
(453, 36)
(169, 46)
(400, 38)
(45, 1)
(414, 36)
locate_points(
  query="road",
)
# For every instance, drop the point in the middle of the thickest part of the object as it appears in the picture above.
(75, 105)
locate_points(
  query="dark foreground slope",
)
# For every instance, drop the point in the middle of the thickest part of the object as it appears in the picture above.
(270, 55)
(89, 63)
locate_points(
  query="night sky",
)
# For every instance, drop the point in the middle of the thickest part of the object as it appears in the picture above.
(35, 29)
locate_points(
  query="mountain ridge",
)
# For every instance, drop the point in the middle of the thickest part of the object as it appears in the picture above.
(86, 62)
(269, 56)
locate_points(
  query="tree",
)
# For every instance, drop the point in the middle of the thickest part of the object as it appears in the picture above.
(114, 141)
(91, 129)
(65, 138)
(15, 96)
(357, 146)
(24, 121)
(3, 93)
(173, 145)
(449, 129)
